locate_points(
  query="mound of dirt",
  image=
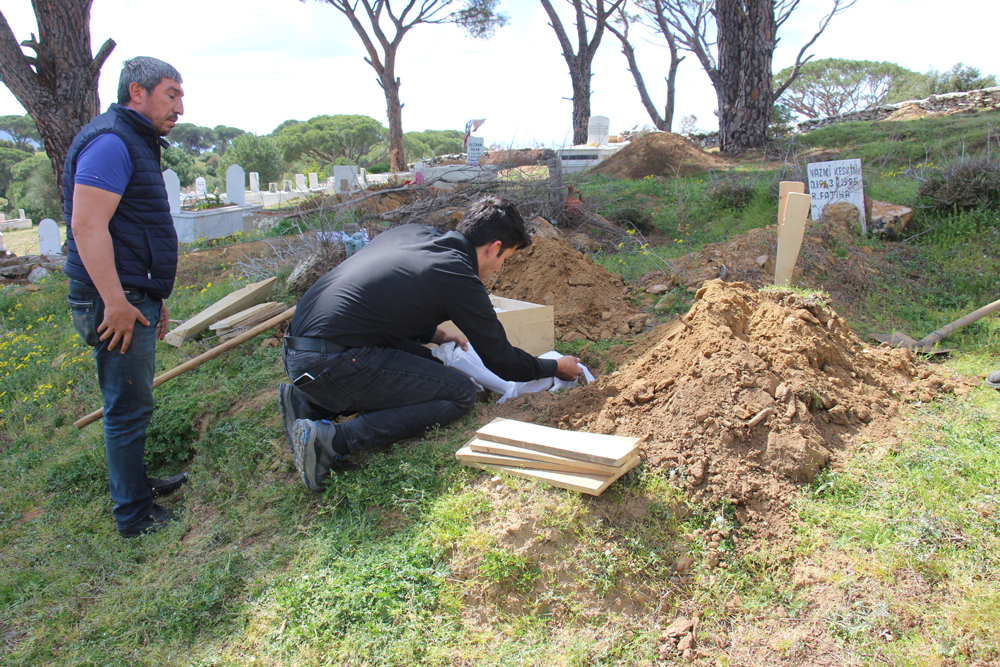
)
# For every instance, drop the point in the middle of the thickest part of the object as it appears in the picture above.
(588, 300)
(659, 154)
(750, 395)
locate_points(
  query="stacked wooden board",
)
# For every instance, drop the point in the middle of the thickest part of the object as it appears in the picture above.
(585, 462)
(235, 302)
(236, 324)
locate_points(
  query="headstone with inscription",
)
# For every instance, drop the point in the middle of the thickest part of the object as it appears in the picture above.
(287, 186)
(235, 179)
(597, 130)
(173, 185)
(254, 181)
(48, 237)
(199, 186)
(475, 149)
(345, 178)
(839, 180)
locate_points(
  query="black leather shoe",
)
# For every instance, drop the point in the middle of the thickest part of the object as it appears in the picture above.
(158, 517)
(161, 488)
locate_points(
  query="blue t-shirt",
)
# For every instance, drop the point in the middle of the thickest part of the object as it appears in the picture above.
(105, 162)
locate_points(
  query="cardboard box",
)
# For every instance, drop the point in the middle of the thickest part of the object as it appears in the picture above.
(529, 326)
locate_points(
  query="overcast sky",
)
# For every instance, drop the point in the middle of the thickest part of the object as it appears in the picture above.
(255, 63)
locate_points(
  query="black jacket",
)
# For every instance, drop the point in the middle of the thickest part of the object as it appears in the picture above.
(399, 288)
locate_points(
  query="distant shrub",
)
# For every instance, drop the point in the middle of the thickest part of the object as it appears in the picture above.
(254, 153)
(380, 168)
(968, 185)
(785, 174)
(731, 192)
(633, 215)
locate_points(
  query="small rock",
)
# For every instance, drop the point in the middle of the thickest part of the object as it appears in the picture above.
(37, 275)
(679, 627)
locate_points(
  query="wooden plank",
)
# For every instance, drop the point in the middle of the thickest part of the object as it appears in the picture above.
(230, 304)
(528, 326)
(589, 483)
(470, 453)
(262, 316)
(790, 240)
(784, 189)
(564, 463)
(234, 320)
(610, 450)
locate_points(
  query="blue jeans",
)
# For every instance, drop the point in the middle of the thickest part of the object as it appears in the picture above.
(401, 394)
(126, 382)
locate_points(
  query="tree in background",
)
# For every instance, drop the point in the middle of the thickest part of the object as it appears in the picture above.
(653, 16)
(480, 19)
(959, 79)
(734, 40)
(581, 61)
(58, 85)
(440, 142)
(22, 132)
(254, 153)
(33, 188)
(287, 123)
(181, 162)
(224, 136)
(832, 86)
(194, 139)
(9, 156)
(327, 138)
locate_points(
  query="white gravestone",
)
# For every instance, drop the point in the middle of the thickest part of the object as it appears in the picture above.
(254, 181)
(300, 182)
(199, 186)
(235, 194)
(835, 181)
(287, 186)
(475, 150)
(173, 185)
(272, 187)
(48, 237)
(597, 130)
(313, 180)
(3, 218)
(20, 214)
(345, 177)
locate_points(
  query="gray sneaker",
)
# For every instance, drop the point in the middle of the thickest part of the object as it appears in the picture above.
(304, 447)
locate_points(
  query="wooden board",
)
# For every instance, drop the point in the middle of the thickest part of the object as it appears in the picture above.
(589, 483)
(485, 447)
(234, 320)
(262, 316)
(790, 240)
(230, 304)
(609, 450)
(528, 326)
(784, 188)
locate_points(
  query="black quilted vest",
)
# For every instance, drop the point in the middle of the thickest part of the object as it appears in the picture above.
(142, 228)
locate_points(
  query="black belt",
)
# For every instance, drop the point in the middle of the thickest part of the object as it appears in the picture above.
(313, 345)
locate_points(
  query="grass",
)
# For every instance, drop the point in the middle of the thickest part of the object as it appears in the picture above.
(413, 559)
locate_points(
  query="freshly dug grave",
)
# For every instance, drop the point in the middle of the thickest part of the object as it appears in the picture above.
(750, 395)
(659, 154)
(588, 300)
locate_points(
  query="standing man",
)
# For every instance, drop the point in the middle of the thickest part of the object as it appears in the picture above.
(355, 342)
(121, 262)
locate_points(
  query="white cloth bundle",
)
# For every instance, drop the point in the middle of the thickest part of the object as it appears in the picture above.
(468, 362)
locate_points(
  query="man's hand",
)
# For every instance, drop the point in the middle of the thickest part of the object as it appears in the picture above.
(119, 320)
(569, 368)
(164, 323)
(441, 337)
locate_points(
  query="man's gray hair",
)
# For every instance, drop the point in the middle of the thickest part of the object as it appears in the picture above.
(145, 71)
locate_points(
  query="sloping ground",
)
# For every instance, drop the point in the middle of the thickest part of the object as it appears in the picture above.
(659, 154)
(751, 395)
(588, 300)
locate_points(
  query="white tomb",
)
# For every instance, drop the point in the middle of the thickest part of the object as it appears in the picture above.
(313, 181)
(235, 194)
(255, 182)
(597, 130)
(199, 186)
(475, 149)
(345, 179)
(48, 237)
(300, 182)
(839, 180)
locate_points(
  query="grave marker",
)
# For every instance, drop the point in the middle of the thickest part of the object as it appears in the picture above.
(254, 181)
(839, 180)
(173, 185)
(300, 182)
(313, 180)
(235, 194)
(345, 177)
(597, 130)
(199, 187)
(287, 186)
(20, 214)
(48, 237)
(477, 145)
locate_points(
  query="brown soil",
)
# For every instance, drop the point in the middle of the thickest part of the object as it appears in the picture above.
(659, 154)
(691, 390)
(588, 300)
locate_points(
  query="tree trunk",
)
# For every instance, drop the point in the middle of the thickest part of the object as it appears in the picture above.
(57, 87)
(581, 102)
(394, 110)
(746, 34)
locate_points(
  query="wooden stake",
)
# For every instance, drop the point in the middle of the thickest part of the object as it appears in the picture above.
(790, 240)
(200, 359)
(784, 189)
